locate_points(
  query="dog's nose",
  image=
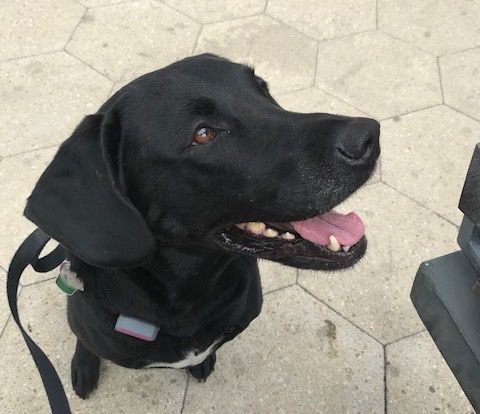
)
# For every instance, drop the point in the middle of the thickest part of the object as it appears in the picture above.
(358, 141)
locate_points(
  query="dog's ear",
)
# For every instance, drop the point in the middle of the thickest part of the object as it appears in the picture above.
(80, 199)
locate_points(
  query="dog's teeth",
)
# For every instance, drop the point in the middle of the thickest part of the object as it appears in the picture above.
(287, 236)
(346, 248)
(256, 227)
(334, 245)
(271, 233)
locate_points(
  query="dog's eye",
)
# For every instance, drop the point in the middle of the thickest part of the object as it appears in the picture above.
(203, 135)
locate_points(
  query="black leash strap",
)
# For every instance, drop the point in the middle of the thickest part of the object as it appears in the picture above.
(27, 254)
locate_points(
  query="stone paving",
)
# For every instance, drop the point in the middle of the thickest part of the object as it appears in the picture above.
(347, 342)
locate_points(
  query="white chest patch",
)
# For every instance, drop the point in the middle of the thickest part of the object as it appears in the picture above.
(191, 359)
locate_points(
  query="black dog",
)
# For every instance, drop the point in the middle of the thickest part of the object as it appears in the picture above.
(166, 197)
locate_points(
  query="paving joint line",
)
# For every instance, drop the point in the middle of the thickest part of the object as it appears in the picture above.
(38, 282)
(293, 28)
(420, 204)
(279, 289)
(277, 95)
(343, 101)
(110, 92)
(342, 316)
(50, 52)
(2, 331)
(206, 23)
(314, 38)
(385, 383)
(180, 12)
(185, 393)
(454, 52)
(29, 151)
(196, 40)
(100, 6)
(88, 65)
(232, 19)
(315, 68)
(343, 36)
(405, 337)
(85, 11)
(439, 70)
(367, 184)
(19, 291)
(461, 112)
(406, 42)
(376, 14)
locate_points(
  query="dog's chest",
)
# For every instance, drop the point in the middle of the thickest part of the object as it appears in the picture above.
(192, 357)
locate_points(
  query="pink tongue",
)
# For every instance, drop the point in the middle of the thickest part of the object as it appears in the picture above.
(348, 229)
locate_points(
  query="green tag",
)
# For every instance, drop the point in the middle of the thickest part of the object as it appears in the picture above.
(63, 285)
(67, 280)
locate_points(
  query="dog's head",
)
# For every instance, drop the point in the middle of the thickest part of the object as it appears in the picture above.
(200, 153)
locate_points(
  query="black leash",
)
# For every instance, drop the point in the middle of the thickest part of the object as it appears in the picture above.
(28, 254)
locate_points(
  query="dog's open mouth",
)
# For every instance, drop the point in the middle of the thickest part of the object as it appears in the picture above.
(327, 241)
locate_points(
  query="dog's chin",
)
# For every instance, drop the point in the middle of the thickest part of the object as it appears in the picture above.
(281, 243)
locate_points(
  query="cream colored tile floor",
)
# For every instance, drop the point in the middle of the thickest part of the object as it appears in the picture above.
(414, 65)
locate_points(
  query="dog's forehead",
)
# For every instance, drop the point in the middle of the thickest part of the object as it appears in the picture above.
(233, 87)
(203, 70)
(184, 81)
(209, 64)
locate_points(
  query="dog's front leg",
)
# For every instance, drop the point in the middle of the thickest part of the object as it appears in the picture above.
(84, 370)
(203, 370)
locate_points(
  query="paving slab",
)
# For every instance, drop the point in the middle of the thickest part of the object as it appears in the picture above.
(419, 380)
(120, 390)
(44, 98)
(285, 57)
(126, 40)
(378, 74)
(438, 27)
(207, 11)
(460, 79)
(339, 370)
(33, 27)
(325, 19)
(426, 155)
(374, 294)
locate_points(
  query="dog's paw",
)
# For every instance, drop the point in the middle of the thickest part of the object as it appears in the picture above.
(85, 370)
(203, 370)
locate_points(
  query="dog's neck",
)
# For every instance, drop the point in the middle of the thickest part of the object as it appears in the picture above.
(180, 265)
(174, 285)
